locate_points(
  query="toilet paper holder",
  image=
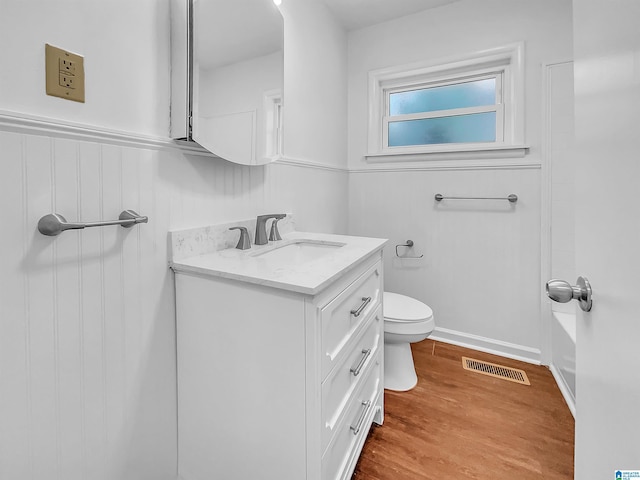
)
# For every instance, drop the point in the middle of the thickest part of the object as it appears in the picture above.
(409, 244)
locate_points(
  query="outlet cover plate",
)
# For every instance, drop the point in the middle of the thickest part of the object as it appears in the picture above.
(64, 74)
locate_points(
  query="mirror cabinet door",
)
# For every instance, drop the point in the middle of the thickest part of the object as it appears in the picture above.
(236, 79)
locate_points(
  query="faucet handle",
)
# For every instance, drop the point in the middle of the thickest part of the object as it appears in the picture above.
(244, 243)
(274, 234)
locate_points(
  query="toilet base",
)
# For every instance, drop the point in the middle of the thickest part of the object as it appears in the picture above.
(399, 370)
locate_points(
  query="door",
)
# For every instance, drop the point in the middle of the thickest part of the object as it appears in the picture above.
(607, 186)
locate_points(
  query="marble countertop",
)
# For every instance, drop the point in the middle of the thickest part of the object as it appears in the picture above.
(308, 277)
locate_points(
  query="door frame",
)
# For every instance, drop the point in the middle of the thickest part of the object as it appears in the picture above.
(546, 316)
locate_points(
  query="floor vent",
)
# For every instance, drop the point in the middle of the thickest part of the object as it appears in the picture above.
(495, 370)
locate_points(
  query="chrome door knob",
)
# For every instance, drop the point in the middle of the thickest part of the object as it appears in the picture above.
(561, 292)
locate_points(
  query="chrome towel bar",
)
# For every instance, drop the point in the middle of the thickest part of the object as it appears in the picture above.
(54, 224)
(513, 198)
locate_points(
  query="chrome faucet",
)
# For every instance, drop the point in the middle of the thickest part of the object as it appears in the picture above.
(261, 227)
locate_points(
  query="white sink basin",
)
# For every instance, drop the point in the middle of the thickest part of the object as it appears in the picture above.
(300, 251)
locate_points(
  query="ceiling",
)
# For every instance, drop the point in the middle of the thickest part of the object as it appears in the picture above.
(231, 31)
(354, 14)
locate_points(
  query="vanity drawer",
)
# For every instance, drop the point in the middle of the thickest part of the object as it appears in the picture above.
(342, 317)
(339, 386)
(353, 428)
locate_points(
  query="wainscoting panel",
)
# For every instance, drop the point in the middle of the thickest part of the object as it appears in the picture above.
(87, 318)
(480, 272)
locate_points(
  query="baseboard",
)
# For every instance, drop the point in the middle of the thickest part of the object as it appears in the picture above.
(564, 389)
(487, 345)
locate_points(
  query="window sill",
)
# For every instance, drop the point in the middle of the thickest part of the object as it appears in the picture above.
(452, 152)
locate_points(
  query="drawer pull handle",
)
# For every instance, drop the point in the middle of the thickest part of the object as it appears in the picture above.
(356, 428)
(365, 355)
(357, 311)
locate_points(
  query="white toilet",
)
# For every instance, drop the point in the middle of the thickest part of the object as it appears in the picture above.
(406, 321)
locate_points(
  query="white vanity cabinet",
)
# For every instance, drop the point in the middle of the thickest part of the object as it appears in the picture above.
(275, 384)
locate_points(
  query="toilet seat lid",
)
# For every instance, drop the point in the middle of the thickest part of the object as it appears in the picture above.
(400, 308)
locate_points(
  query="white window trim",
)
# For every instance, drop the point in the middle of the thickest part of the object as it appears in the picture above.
(508, 59)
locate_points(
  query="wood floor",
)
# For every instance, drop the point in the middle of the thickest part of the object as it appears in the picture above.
(460, 424)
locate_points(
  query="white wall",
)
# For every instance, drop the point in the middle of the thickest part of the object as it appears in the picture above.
(87, 333)
(481, 266)
(124, 45)
(315, 98)
(87, 339)
(462, 27)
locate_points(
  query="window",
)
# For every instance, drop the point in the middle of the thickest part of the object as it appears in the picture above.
(473, 103)
(466, 110)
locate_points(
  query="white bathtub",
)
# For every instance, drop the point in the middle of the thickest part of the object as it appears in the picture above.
(563, 355)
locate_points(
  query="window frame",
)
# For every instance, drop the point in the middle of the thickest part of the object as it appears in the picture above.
(505, 63)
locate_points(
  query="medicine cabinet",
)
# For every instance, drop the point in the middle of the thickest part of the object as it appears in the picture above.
(227, 78)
